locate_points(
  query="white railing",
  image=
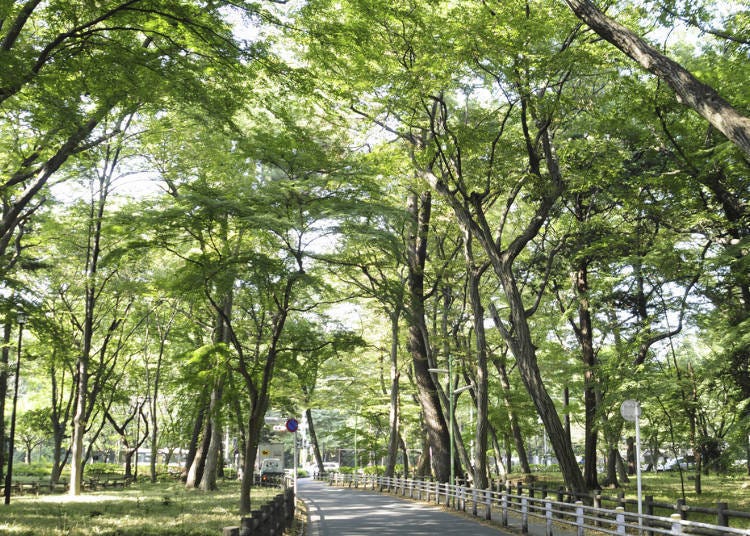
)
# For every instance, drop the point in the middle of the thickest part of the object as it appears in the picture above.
(541, 516)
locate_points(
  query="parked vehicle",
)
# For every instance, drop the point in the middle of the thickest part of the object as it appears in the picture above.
(271, 471)
(674, 464)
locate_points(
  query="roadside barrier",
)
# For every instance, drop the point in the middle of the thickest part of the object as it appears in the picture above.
(270, 520)
(540, 516)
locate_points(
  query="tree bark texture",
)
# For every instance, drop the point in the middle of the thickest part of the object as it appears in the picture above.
(515, 428)
(480, 391)
(437, 431)
(584, 332)
(210, 470)
(314, 440)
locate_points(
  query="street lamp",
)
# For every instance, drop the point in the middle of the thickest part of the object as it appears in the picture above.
(451, 411)
(21, 319)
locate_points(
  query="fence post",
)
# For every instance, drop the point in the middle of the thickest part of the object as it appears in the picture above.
(524, 515)
(579, 517)
(474, 499)
(487, 504)
(680, 508)
(248, 524)
(648, 507)
(504, 507)
(676, 525)
(548, 514)
(620, 520)
(721, 515)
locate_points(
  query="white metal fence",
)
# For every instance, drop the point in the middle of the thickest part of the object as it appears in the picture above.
(539, 516)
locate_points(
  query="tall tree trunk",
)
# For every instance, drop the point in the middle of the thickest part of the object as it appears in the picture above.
(195, 437)
(254, 426)
(154, 406)
(4, 360)
(424, 463)
(523, 458)
(394, 415)
(195, 472)
(470, 213)
(500, 467)
(689, 90)
(474, 274)
(314, 440)
(437, 431)
(208, 480)
(404, 453)
(585, 335)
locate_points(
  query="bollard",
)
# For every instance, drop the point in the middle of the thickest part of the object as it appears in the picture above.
(620, 520)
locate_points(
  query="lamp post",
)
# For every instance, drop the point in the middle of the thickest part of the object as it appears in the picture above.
(21, 319)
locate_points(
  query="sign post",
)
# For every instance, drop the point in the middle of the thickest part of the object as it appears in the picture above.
(631, 411)
(292, 425)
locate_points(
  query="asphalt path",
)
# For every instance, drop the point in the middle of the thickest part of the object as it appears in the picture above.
(336, 511)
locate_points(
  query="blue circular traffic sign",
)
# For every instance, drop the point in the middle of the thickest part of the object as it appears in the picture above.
(292, 425)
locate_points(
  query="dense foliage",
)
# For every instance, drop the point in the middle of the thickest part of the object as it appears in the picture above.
(219, 212)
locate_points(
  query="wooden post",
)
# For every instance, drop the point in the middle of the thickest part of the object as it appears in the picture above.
(524, 515)
(680, 508)
(721, 514)
(488, 505)
(648, 503)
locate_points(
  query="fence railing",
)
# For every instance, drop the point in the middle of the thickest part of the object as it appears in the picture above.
(721, 513)
(270, 520)
(545, 516)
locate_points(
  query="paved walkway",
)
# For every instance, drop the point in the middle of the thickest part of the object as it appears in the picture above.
(346, 512)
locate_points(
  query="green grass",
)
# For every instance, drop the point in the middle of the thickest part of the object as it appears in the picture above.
(143, 509)
(666, 487)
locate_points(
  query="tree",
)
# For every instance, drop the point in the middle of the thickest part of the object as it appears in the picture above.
(33, 429)
(690, 91)
(134, 54)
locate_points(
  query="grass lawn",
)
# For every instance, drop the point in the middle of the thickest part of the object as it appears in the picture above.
(143, 509)
(667, 487)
